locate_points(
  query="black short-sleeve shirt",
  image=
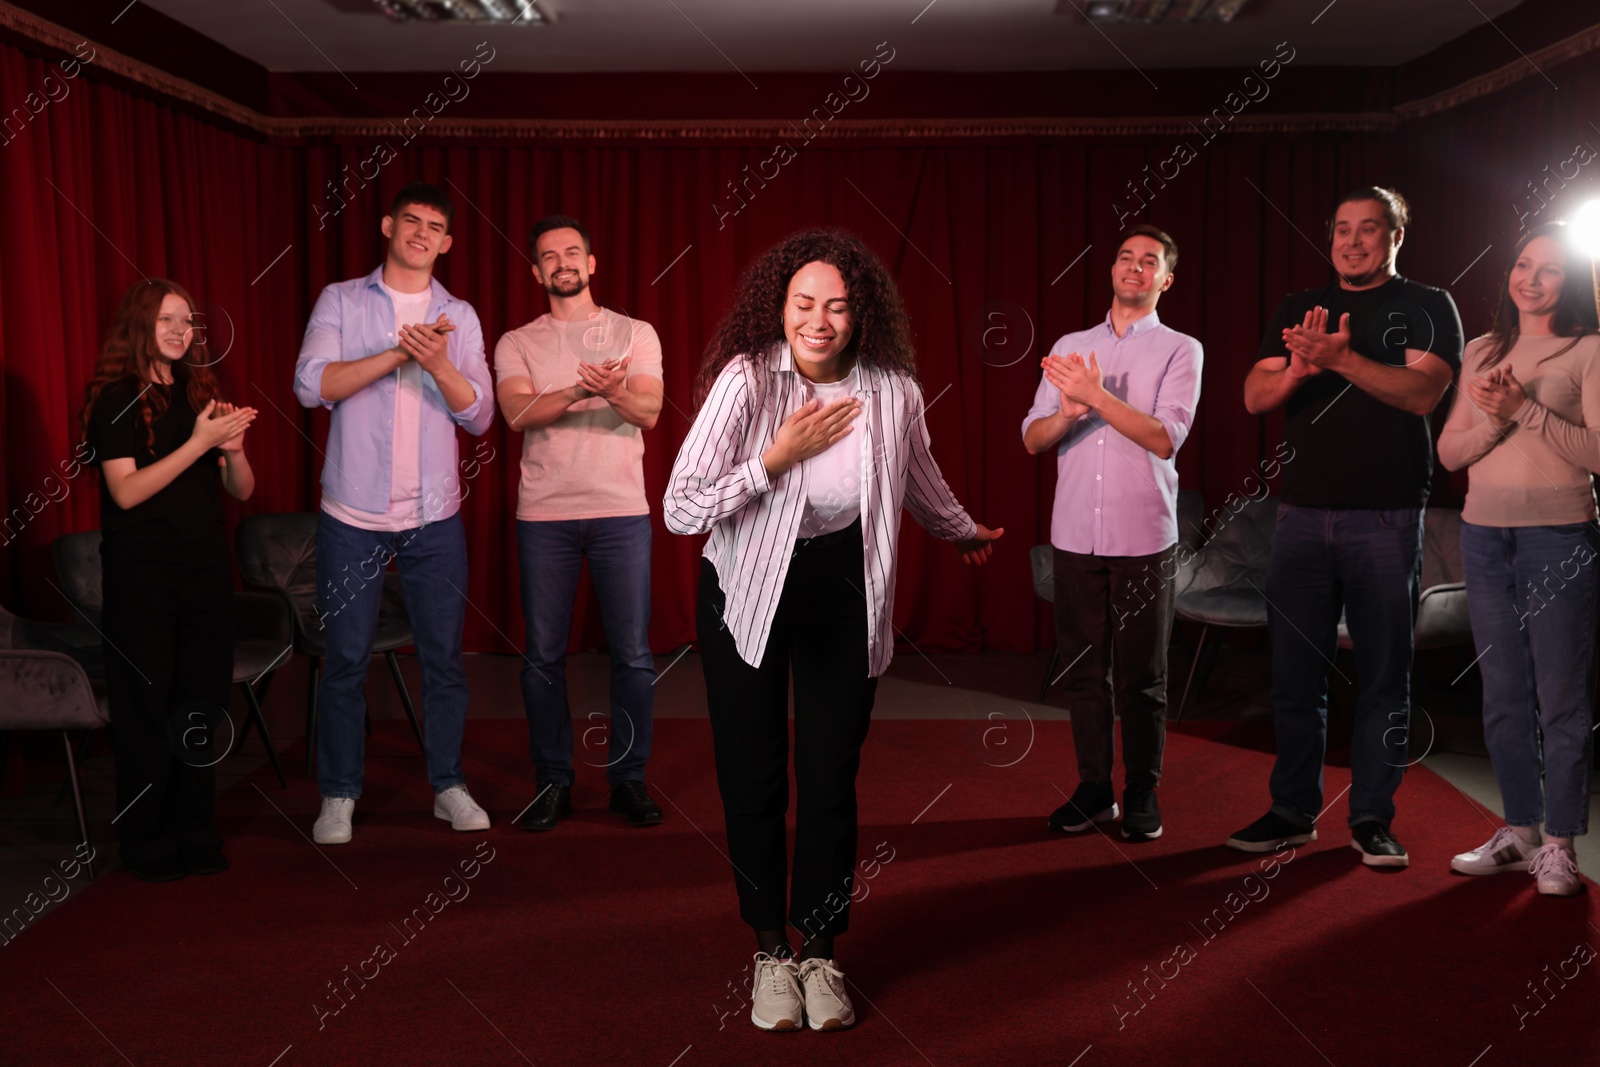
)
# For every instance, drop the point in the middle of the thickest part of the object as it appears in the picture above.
(183, 523)
(1350, 449)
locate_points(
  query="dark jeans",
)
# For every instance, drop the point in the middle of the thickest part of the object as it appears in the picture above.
(821, 628)
(168, 636)
(433, 572)
(1367, 564)
(551, 554)
(1113, 621)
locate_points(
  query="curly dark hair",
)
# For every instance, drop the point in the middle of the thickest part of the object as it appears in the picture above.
(881, 336)
(129, 351)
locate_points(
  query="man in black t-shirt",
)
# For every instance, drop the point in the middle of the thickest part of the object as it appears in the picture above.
(1358, 367)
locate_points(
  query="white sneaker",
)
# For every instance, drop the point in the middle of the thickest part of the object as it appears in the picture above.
(457, 805)
(1505, 851)
(1555, 871)
(775, 1001)
(827, 1004)
(333, 825)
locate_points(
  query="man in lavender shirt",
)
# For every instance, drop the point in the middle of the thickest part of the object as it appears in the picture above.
(1115, 403)
(400, 363)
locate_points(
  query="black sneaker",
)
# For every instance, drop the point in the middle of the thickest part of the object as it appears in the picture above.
(1268, 832)
(632, 801)
(204, 860)
(167, 868)
(553, 804)
(1091, 802)
(1377, 845)
(1141, 819)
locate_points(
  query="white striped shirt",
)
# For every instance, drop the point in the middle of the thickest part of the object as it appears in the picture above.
(720, 484)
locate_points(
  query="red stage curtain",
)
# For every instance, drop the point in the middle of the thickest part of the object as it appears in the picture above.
(105, 185)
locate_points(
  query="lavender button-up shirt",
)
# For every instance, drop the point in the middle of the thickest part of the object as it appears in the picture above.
(1114, 497)
(354, 319)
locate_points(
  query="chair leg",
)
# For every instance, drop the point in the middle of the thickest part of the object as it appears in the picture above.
(313, 677)
(77, 802)
(83, 753)
(1049, 673)
(1199, 647)
(255, 716)
(1206, 671)
(405, 699)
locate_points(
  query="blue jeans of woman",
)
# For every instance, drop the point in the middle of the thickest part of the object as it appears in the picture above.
(1531, 592)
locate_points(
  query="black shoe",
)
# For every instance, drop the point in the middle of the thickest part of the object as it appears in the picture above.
(1091, 802)
(632, 801)
(1377, 845)
(205, 860)
(1141, 817)
(553, 804)
(1269, 832)
(164, 869)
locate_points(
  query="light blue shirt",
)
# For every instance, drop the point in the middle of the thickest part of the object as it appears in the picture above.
(355, 319)
(1114, 497)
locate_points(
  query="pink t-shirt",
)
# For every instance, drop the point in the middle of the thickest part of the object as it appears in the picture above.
(587, 464)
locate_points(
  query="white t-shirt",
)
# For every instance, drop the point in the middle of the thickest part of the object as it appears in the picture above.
(833, 477)
(405, 485)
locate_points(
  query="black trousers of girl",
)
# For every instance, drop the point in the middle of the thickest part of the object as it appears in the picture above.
(169, 666)
(821, 629)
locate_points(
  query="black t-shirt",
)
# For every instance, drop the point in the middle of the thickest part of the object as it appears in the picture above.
(1350, 449)
(183, 523)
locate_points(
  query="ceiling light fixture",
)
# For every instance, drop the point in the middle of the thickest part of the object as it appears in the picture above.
(502, 12)
(1147, 12)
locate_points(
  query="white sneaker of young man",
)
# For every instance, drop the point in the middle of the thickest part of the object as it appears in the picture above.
(333, 825)
(775, 1000)
(457, 805)
(828, 1006)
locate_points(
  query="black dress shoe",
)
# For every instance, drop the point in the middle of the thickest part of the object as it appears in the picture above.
(163, 869)
(204, 860)
(553, 804)
(632, 801)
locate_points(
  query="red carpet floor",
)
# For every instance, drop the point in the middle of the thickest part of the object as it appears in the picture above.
(981, 941)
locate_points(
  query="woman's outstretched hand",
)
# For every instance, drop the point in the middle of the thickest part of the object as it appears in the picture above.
(977, 549)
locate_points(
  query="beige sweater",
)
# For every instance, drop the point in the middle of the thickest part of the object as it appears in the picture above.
(1536, 471)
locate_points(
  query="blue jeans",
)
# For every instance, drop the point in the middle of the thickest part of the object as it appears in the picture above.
(1531, 591)
(1367, 564)
(433, 571)
(551, 555)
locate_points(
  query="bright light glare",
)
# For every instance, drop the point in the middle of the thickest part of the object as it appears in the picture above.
(1586, 228)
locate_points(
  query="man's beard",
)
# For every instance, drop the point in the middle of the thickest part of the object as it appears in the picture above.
(571, 288)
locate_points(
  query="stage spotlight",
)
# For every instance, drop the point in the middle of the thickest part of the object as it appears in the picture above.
(1586, 235)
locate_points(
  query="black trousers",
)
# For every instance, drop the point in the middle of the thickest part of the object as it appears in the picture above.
(1113, 621)
(169, 665)
(821, 628)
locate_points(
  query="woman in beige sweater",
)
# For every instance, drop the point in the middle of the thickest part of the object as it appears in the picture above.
(1526, 425)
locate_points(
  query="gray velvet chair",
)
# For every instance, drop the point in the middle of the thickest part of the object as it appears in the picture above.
(44, 687)
(263, 634)
(278, 554)
(1224, 585)
(1191, 509)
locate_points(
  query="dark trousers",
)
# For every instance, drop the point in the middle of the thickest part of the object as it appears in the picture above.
(821, 627)
(1367, 565)
(1113, 621)
(168, 637)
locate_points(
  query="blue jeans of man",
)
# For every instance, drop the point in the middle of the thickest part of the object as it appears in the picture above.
(432, 560)
(552, 553)
(1531, 592)
(1367, 564)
